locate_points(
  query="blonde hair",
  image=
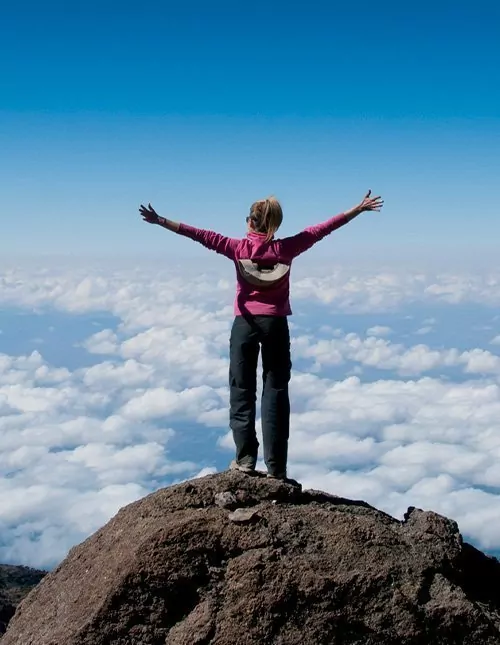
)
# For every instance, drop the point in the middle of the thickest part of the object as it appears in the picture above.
(266, 216)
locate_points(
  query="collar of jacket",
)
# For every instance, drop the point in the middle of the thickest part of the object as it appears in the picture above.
(255, 235)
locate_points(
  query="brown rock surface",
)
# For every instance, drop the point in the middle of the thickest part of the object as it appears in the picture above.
(307, 569)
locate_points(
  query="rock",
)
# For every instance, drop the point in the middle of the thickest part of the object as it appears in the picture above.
(241, 515)
(15, 584)
(225, 499)
(316, 569)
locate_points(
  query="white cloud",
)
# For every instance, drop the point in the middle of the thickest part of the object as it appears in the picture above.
(90, 439)
(161, 403)
(102, 342)
(155, 296)
(384, 355)
(39, 523)
(109, 375)
(480, 361)
(204, 472)
(379, 330)
(496, 340)
(424, 330)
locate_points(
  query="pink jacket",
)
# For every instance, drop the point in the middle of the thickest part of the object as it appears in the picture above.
(253, 295)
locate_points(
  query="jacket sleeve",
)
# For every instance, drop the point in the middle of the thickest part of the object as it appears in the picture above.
(297, 244)
(214, 241)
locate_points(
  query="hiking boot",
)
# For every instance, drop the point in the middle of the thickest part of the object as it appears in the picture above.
(282, 477)
(247, 468)
(277, 476)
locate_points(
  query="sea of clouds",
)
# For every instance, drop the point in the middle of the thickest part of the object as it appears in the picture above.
(395, 393)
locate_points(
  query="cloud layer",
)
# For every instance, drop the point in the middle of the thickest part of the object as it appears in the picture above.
(78, 443)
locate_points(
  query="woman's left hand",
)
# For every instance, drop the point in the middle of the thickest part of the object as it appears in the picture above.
(371, 203)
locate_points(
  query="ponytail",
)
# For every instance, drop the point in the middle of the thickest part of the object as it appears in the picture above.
(266, 215)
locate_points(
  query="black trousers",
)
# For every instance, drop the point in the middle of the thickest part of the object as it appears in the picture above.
(248, 335)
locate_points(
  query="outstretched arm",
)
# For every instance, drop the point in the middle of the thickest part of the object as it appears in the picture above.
(297, 244)
(213, 241)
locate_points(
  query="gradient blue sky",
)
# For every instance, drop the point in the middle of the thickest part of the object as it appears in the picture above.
(202, 107)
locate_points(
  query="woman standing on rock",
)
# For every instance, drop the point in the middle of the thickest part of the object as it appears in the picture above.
(261, 308)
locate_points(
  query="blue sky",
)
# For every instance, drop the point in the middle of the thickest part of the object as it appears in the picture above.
(201, 108)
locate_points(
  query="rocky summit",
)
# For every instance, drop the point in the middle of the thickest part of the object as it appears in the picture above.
(236, 559)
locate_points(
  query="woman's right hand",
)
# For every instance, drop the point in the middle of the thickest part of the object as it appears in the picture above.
(149, 214)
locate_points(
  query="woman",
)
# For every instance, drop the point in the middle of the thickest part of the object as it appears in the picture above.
(261, 308)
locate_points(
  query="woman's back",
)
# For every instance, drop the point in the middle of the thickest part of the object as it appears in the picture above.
(259, 260)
